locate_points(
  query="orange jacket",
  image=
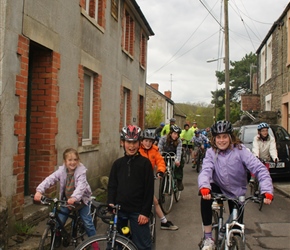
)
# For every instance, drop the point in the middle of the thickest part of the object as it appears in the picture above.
(154, 156)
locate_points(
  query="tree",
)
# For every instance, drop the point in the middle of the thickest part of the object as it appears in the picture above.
(154, 116)
(239, 84)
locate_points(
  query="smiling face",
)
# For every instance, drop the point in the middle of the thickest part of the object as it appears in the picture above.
(222, 141)
(71, 161)
(174, 136)
(147, 143)
(131, 147)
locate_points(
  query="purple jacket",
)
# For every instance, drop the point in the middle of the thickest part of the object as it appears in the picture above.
(228, 169)
(82, 190)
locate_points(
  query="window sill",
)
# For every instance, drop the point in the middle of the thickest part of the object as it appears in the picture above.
(128, 54)
(92, 20)
(88, 148)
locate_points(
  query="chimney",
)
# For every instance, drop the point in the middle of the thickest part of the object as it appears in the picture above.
(167, 94)
(154, 85)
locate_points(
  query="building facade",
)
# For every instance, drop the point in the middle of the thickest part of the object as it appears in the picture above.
(72, 73)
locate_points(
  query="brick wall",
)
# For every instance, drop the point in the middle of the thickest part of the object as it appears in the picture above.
(250, 102)
(44, 122)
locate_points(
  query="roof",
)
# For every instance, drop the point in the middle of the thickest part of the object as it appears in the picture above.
(279, 22)
(159, 93)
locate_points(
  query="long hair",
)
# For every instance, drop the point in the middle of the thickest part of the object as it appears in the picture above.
(71, 151)
(234, 142)
(170, 141)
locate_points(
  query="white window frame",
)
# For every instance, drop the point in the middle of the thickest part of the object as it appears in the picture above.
(269, 59)
(268, 102)
(88, 140)
(262, 69)
(125, 108)
(96, 10)
(87, 6)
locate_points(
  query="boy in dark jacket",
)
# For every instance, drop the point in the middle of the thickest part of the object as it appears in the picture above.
(131, 185)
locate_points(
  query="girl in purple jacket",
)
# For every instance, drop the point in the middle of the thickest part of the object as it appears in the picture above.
(224, 170)
(73, 187)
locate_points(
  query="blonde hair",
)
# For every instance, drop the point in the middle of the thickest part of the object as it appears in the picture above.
(70, 151)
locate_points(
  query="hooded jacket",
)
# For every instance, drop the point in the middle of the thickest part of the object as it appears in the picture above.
(82, 190)
(228, 169)
(154, 156)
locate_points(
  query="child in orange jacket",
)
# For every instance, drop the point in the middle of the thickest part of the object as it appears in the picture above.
(149, 150)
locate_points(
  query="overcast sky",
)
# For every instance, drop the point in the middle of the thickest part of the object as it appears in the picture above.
(186, 36)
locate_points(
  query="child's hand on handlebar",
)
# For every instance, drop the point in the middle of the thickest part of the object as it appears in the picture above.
(37, 196)
(268, 198)
(205, 193)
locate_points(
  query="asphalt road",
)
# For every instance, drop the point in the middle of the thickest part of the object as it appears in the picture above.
(266, 229)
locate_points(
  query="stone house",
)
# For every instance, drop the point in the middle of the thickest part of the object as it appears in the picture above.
(72, 73)
(274, 70)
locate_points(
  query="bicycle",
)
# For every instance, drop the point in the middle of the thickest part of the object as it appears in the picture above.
(71, 236)
(186, 152)
(255, 186)
(199, 158)
(168, 184)
(231, 234)
(113, 239)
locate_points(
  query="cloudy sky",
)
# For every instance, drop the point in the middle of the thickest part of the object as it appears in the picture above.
(187, 34)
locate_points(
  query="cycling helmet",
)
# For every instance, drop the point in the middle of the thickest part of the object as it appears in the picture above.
(263, 125)
(221, 127)
(130, 133)
(148, 134)
(197, 131)
(174, 128)
(162, 124)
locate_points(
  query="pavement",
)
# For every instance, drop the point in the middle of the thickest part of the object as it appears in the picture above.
(30, 242)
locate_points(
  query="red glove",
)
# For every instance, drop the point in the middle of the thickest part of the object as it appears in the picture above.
(204, 191)
(268, 196)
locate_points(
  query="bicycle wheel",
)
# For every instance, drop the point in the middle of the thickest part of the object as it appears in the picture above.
(237, 243)
(47, 239)
(165, 193)
(198, 163)
(177, 193)
(152, 225)
(79, 232)
(187, 155)
(215, 225)
(105, 244)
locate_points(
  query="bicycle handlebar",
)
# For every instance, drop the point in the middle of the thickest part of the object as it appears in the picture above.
(63, 203)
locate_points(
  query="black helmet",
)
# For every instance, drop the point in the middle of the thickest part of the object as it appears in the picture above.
(263, 125)
(186, 124)
(174, 128)
(197, 131)
(221, 127)
(130, 133)
(148, 134)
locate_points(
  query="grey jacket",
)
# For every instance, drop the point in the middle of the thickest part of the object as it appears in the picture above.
(228, 169)
(82, 190)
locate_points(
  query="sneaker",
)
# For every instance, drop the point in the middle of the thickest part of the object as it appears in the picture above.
(208, 244)
(57, 240)
(168, 226)
(180, 185)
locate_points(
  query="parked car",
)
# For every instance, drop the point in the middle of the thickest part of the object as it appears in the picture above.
(282, 169)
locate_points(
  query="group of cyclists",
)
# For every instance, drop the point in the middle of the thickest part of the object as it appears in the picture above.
(131, 181)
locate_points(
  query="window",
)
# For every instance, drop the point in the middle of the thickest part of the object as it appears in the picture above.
(141, 111)
(87, 109)
(268, 100)
(269, 59)
(96, 10)
(126, 107)
(128, 33)
(263, 59)
(115, 8)
(143, 50)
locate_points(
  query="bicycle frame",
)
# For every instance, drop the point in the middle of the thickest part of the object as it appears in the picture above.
(233, 226)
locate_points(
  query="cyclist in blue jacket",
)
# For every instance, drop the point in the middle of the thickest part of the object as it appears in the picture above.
(224, 170)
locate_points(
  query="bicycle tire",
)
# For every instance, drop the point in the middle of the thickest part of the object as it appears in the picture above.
(80, 232)
(187, 155)
(103, 241)
(215, 225)
(198, 163)
(237, 243)
(152, 225)
(165, 193)
(47, 239)
(177, 193)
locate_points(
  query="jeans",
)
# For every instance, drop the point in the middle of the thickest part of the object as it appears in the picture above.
(140, 233)
(85, 214)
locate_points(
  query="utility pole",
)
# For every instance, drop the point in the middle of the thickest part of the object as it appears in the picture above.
(227, 62)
